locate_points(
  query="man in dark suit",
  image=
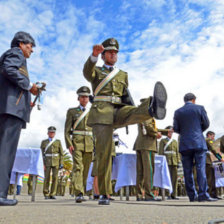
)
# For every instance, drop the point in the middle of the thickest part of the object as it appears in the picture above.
(15, 104)
(190, 121)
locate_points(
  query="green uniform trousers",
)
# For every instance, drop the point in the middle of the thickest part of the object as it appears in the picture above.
(173, 176)
(54, 183)
(11, 189)
(145, 170)
(81, 164)
(61, 190)
(210, 174)
(30, 184)
(103, 134)
(71, 188)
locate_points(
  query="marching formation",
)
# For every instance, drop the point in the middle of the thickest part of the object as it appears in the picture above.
(89, 132)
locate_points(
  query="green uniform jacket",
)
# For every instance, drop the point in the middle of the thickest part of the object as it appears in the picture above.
(55, 148)
(149, 140)
(172, 154)
(211, 149)
(222, 144)
(80, 142)
(103, 112)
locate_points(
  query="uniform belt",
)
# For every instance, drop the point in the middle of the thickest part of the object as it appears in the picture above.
(77, 132)
(111, 99)
(169, 152)
(52, 155)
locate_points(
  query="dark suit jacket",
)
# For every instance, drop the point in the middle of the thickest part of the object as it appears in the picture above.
(14, 85)
(190, 121)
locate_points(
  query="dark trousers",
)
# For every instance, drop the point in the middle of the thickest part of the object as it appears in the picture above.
(187, 159)
(10, 129)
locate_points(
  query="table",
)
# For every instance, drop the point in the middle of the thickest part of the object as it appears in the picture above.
(161, 176)
(30, 161)
(124, 172)
(219, 174)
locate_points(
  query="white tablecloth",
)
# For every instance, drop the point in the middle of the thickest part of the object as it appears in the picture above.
(89, 182)
(29, 160)
(161, 176)
(19, 179)
(219, 174)
(124, 171)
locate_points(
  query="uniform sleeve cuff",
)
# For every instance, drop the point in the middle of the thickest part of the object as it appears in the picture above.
(93, 58)
(30, 85)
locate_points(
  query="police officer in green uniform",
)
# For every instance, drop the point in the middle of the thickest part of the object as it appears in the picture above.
(146, 148)
(112, 107)
(62, 182)
(71, 185)
(222, 144)
(169, 148)
(53, 157)
(210, 172)
(79, 141)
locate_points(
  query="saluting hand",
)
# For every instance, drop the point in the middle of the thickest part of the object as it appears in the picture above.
(159, 135)
(71, 148)
(97, 49)
(34, 89)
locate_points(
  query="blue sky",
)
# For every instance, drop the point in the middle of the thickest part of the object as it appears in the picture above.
(179, 42)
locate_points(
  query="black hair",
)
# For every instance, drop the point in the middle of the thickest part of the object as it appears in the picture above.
(22, 37)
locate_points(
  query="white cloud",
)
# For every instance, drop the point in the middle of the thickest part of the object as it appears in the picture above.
(184, 49)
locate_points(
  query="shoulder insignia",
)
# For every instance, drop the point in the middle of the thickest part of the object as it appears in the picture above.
(211, 142)
(23, 71)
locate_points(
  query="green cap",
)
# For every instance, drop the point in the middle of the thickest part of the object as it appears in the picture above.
(83, 91)
(51, 129)
(143, 99)
(111, 44)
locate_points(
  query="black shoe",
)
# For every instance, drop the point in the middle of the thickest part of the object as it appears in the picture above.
(52, 197)
(79, 198)
(96, 197)
(7, 202)
(47, 197)
(217, 197)
(139, 199)
(111, 199)
(153, 199)
(104, 200)
(193, 199)
(157, 108)
(169, 198)
(207, 199)
(174, 198)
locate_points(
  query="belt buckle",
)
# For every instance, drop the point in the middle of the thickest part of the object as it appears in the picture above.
(113, 99)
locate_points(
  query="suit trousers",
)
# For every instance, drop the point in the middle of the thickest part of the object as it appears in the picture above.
(188, 157)
(81, 164)
(145, 170)
(103, 134)
(47, 178)
(10, 129)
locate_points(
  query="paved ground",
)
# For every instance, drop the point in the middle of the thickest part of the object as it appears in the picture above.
(64, 210)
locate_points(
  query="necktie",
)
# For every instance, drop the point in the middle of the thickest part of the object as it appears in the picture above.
(83, 109)
(111, 69)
